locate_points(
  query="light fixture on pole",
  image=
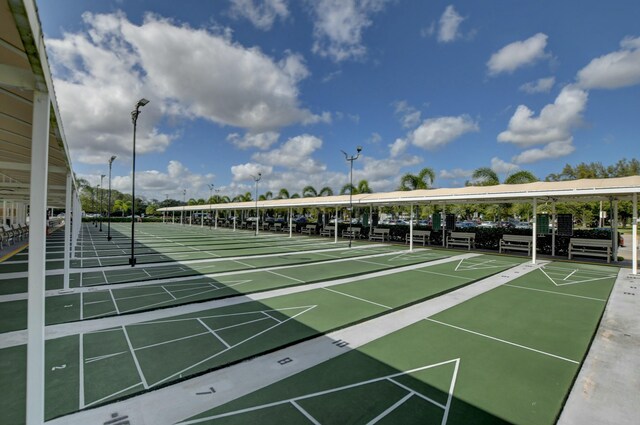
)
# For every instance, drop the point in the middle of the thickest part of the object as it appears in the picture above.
(109, 200)
(351, 159)
(134, 119)
(183, 217)
(102, 176)
(257, 179)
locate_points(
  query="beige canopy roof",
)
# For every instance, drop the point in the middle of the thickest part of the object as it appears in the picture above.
(23, 69)
(584, 190)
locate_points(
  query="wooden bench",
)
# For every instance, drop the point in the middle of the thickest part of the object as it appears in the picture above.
(284, 227)
(351, 232)
(309, 229)
(516, 243)
(462, 239)
(276, 227)
(590, 247)
(378, 234)
(419, 236)
(328, 231)
(6, 237)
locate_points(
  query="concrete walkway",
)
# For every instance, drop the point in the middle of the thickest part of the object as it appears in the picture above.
(181, 401)
(607, 390)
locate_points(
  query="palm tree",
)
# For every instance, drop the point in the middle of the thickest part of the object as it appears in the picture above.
(521, 177)
(309, 192)
(326, 191)
(423, 180)
(266, 196)
(348, 188)
(283, 194)
(122, 205)
(485, 176)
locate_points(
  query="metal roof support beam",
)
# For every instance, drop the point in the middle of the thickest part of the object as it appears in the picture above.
(67, 231)
(634, 236)
(534, 232)
(410, 230)
(336, 227)
(36, 271)
(21, 166)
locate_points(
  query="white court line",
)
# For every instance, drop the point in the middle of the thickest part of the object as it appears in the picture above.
(270, 316)
(503, 341)
(305, 413)
(103, 357)
(393, 407)
(170, 294)
(442, 406)
(286, 277)
(245, 264)
(114, 301)
(214, 333)
(570, 274)
(357, 298)
(451, 388)
(157, 344)
(135, 358)
(554, 292)
(112, 395)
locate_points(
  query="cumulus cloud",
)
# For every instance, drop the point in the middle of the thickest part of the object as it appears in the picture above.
(295, 153)
(250, 140)
(456, 173)
(338, 27)
(248, 170)
(518, 54)
(437, 132)
(502, 167)
(409, 116)
(155, 183)
(613, 70)
(101, 72)
(541, 85)
(398, 147)
(261, 13)
(552, 150)
(554, 123)
(449, 24)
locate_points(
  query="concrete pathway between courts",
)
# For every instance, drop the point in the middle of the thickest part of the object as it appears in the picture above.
(11, 339)
(607, 389)
(181, 401)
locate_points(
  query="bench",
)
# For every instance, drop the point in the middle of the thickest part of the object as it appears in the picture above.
(516, 243)
(462, 239)
(276, 227)
(590, 247)
(18, 232)
(284, 227)
(379, 234)
(328, 231)
(6, 237)
(309, 229)
(419, 236)
(351, 232)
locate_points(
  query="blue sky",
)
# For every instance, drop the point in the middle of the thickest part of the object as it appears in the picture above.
(281, 86)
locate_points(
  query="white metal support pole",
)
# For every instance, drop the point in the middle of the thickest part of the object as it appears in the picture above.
(443, 221)
(182, 216)
(36, 270)
(77, 222)
(411, 229)
(614, 232)
(290, 222)
(336, 227)
(234, 220)
(215, 223)
(173, 217)
(202, 218)
(553, 228)
(634, 236)
(67, 231)
(4, 212)
(534, 232)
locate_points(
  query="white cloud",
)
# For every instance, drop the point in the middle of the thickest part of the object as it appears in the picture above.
(518, 54)
(250, 140)
(338, 27)
(101, 73)
(398, 147)
(614, 70)
(295, 153)
(154, 183)
(437, 132)
(409, 116)
(502, 167)
(552, 150)
(242, 172)
(449, 23)
(554, 123)
(456, 173)
(541, 85)
(261, 13)
(375, 138)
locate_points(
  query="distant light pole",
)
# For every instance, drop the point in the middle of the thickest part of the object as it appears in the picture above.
(95, 221)
(134, 119)
(257, 179)
(109, 201)
(211, 186)
(183, 217)
(102, 176)
(351, 159)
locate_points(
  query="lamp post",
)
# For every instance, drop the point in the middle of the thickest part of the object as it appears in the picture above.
(102, 176)
(351, 159)
(109, 200)
(95, 221)
(134, 119)
(257, 179)
(183, 217)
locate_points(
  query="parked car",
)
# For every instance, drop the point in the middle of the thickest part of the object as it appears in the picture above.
(488, 224)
